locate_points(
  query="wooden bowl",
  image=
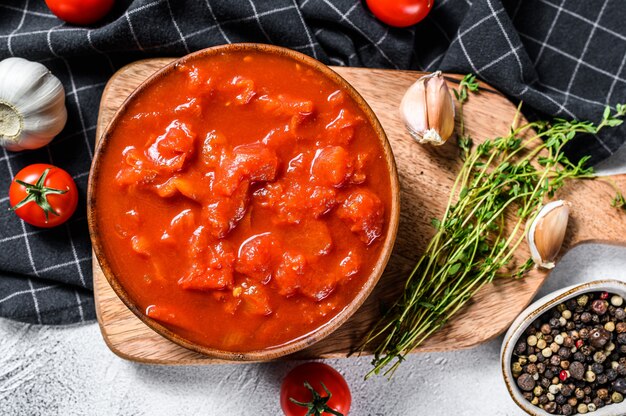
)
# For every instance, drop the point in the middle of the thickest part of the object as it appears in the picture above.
(359, 298)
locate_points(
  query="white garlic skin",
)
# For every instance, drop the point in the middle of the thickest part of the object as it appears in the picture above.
(32, 105)
(555, 224)
(427, 110)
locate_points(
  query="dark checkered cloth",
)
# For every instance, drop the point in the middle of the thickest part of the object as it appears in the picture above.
(563, 58)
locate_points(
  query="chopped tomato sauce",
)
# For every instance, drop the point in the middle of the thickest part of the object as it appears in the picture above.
(245, 201)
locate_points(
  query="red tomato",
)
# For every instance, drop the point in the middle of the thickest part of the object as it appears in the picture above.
(325, 381)
(400, 13)
(80, 12)
(43, 195)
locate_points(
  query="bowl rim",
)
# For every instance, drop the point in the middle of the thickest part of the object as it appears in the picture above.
(533, 312)
(342, 316)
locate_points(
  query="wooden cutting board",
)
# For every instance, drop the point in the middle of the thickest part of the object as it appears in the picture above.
(426, 175)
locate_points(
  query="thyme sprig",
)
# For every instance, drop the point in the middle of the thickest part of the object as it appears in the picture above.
(473, 244)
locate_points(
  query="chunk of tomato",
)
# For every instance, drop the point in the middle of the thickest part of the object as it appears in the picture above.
(213, 149)
(350, 265)
(363, 211)
(170, 150)
(255, 299)
(254, 162)
(283, 105)
(312, 238)
(212, 266)
(224, 213)
(136, 170)
(255, 257)
(289, 272)
(341, 128)
(332, 166)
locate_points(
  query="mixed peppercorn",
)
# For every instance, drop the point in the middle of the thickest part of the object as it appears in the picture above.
(572, 360)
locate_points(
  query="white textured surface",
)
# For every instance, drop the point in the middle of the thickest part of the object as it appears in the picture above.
(69, 370)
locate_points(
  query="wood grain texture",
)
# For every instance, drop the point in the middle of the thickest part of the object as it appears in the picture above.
(426, 175)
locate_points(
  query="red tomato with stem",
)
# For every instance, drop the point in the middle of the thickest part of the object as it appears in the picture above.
(80, 12)
(43, 195)
(400, 13)
(315, 389)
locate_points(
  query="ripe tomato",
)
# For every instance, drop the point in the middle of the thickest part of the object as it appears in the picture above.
(43, 195)
(327, 392)
(80, 12)
(400, 13)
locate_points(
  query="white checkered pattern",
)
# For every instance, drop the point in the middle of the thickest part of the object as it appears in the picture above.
(564, 58)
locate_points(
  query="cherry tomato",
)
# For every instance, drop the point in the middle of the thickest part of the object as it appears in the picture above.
(311, 384)
(43, 195)
(400, 13)
(80, 12)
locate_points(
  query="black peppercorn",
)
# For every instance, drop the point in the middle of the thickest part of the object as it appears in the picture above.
(526, 382)
(585, 317)
(564, 353)
(619, 386)
(520, 348)
(577, 370)
(597, 368)
(598, 402)
(566, 409)
(541, 368)
(611, 374)
(567, 390)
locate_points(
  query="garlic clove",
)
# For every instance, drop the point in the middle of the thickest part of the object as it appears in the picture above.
(413, 110)
(427, 110)
(547, 232)
(440, 108)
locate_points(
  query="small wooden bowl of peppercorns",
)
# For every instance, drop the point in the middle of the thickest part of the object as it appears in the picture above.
(566, 353)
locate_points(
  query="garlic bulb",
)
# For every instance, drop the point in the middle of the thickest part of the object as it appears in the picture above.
(547, 232)
(32, 105)
(427, 110)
